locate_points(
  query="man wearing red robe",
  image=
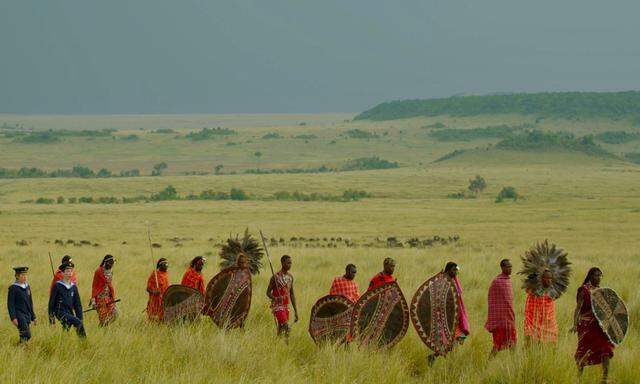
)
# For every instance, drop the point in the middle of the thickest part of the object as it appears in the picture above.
(192, 277)
(384, 277)
(501, 319)
(280, 292)
(156, 288)
(103, 296)
(346, 285)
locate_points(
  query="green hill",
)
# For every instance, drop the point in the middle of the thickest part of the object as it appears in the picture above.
(570, 105)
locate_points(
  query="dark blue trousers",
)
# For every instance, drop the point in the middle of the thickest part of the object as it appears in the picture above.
(68, 320)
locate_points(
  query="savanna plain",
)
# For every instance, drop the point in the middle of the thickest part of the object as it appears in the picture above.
(372, 181)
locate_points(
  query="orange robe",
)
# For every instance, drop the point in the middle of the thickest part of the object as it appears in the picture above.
(155, 309)
(59, 275)
(104, 295)
(540, 318)
(193, 279)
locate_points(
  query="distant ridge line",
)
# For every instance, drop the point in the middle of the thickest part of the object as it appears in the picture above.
(571, 105)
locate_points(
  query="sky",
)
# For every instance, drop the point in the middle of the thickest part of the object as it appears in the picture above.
(299, 56)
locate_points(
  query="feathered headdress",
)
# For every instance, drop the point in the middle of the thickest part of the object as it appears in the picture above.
(247, 245)
(541, 257)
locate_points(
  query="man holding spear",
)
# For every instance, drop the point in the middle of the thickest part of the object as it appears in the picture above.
(280, 292)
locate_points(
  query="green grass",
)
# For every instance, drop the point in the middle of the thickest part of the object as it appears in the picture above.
(587, 205)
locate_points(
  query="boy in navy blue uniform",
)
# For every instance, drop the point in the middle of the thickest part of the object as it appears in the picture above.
(64, 302)
(20, 304)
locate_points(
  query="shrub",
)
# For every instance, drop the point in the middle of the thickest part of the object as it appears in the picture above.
(538, 140)
(168, 193)
(60, 200)
(131, 137)
(44, 200)
(617, 137)
(86, 200)
(305, 137)
(158, 168)
(238, 194)
(450, 155)
(477, 185)
(507, 193)
(492, 132)
(360, 134)
(273, 135)
(209, 133)
(130, 173)
(634, 157)
(368, 163)
(436, 125)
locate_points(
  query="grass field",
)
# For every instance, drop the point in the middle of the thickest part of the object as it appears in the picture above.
(587, 205)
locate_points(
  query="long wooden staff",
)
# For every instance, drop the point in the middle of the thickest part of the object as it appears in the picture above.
(51, 264)
(153, 261)
(273, 274)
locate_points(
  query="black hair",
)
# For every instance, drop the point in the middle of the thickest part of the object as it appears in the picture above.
(349, 266)
(65, 259)
(503, 262)
(105, 259)
(284, 257)
(160, 261)
(450, 265)
(66, 265)
(195, 260)
(590, 274)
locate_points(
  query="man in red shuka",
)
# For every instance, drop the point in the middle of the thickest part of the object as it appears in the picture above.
(192, 277)
(155, 309)
(346, 285)
(103, 296)
(280, 292)
(384, 277)
(501, 318)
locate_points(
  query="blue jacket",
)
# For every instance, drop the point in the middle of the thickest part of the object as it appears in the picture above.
(65, 300)
(20, 304)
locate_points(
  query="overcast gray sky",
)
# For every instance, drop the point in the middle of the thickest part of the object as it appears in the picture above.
(251, 56)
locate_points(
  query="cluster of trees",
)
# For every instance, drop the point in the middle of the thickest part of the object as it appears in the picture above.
(51, 136)
(209, 133)
(169, 193)
(617, 137)
(491, 132)
(76, 171)
(539, 140)
(359, 164)
(360, 134)
(634, 157)
(368, 163)
(272, 135)
(572, 105)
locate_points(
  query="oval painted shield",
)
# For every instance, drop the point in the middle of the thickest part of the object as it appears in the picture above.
(181, 304)
(381, 317)
(611, 313)
(434, 313)
(330, 319)
(228, 297)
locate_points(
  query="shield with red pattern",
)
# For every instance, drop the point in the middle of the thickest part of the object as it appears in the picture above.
(228, 297)
(330, 319)
(380, 318)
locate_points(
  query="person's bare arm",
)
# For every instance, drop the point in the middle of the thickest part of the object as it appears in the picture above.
(576, 313)
(293, 302)
(270, 289)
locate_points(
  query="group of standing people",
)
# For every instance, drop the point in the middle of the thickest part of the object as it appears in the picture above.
(540, 323)
(65, 304)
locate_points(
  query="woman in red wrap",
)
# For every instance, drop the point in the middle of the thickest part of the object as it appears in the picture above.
(594, 346)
